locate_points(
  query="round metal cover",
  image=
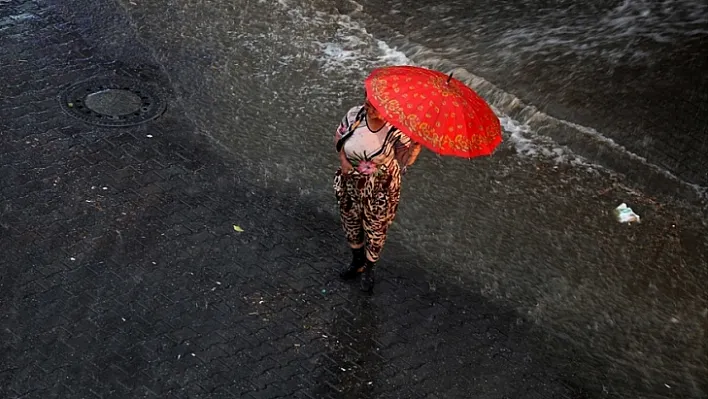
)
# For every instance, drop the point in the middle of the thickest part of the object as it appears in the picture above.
(113, 102)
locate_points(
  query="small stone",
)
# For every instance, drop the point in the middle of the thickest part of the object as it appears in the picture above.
(149, 136)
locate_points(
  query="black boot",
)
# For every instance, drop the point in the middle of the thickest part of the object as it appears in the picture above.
(358, 261)
(367, 276)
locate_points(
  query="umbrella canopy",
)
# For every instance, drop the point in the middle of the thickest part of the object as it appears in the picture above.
(434, 109)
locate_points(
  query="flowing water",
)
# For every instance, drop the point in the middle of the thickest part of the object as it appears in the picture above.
(618, 83)
(611, 84)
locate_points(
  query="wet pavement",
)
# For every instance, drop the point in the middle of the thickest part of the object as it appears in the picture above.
(125, 273)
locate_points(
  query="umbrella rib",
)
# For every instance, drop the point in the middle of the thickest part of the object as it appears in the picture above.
(437, 118)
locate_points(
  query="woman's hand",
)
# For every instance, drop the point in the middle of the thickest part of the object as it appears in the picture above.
(347, 167)
(344, 163)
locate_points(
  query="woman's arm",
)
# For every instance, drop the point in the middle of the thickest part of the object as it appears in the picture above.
(341, 129)
(406, 150)
(347, 120)
(343, 161)
(344, 125)
(414, 151)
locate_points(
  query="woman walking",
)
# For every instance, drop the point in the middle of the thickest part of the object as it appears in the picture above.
(373, 154)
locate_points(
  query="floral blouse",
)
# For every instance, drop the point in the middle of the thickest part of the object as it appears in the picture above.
(383, 146)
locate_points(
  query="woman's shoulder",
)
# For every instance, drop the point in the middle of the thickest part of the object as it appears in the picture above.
(399, 136)
(354, 111)
(351, 115)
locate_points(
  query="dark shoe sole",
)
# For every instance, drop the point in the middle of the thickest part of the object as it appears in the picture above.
(350, 273)
(367, 285)
(348, 276)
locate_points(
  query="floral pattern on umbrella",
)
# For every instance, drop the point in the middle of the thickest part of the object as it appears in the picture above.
(436, 110)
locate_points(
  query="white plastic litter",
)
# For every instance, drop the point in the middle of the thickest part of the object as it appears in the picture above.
(625, 214)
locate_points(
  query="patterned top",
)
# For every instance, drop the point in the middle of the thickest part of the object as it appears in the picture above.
(361, 144)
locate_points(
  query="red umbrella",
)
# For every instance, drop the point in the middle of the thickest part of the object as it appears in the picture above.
(434, 109)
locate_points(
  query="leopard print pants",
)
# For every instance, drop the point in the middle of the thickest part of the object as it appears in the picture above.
(367, 206)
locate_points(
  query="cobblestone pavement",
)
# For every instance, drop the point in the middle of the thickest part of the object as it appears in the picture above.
(123, 276)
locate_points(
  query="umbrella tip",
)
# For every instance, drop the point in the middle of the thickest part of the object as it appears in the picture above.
(449, 77)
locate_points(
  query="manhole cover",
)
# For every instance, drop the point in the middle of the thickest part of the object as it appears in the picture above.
(112, 102)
